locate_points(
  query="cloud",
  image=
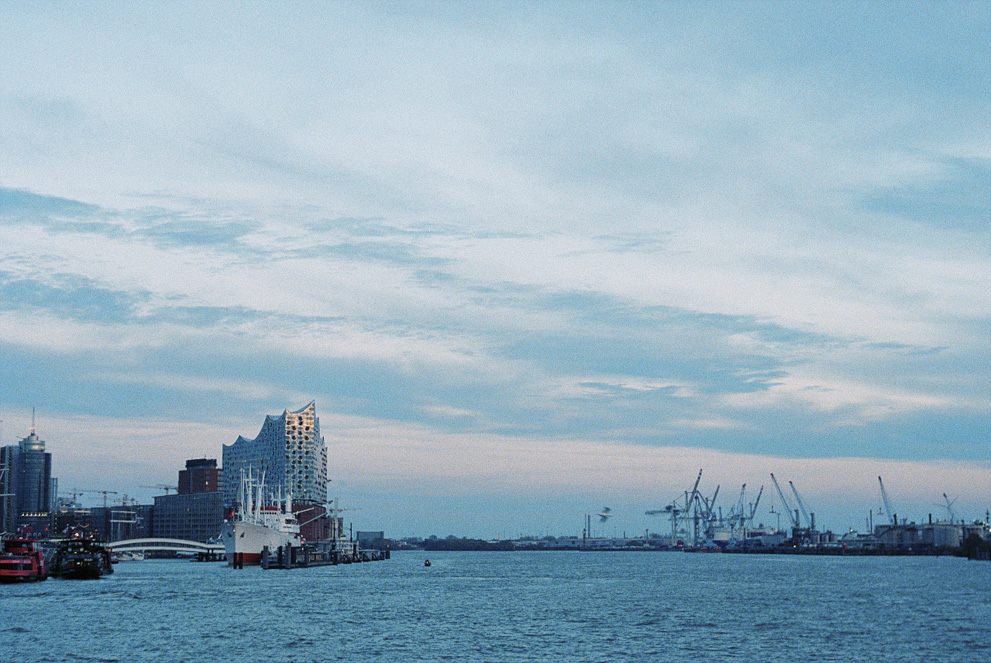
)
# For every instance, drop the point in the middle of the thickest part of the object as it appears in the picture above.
(531, 226)
(956, 198)
(428, 464)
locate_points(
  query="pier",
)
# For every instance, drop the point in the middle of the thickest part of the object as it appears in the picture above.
(317, 555)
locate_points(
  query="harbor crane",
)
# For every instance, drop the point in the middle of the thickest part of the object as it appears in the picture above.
(948, 505)
(675, 513)
(742, 514)
(887, 503)
(677, 510)
(808, 520)
(740, 501)
(705, 515)
(753, 507)
(695, 489)
(792, 514)
(737, 518)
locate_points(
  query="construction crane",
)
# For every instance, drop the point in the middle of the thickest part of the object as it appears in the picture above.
(792, 514)
(105, 493)
(887, 503)
(74, 496)
(163, 486)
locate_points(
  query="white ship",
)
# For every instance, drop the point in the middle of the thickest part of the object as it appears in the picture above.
(255, 524)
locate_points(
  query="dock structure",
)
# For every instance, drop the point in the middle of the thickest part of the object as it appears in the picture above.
(318, 555)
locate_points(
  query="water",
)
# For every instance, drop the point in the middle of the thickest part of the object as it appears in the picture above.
(539, 606)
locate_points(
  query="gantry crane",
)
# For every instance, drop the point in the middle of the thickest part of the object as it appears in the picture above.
(678, 510)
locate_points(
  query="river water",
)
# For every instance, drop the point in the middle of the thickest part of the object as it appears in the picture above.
(525, 606)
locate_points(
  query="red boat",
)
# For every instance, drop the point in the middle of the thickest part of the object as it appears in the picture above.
(22, 560)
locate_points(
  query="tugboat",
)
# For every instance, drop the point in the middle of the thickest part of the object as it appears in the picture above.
(78, 559)
(22, 560)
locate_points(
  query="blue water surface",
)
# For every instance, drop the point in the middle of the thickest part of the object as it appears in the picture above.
(523, 606)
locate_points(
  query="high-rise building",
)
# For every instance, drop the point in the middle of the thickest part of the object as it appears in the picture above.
(27, 489)
(196, 513)
(290, 451)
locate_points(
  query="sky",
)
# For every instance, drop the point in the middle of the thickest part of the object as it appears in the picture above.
(529, 259)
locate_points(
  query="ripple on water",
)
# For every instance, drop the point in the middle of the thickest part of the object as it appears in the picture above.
(512, 607)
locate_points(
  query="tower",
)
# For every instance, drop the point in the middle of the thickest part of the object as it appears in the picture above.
(26, 486)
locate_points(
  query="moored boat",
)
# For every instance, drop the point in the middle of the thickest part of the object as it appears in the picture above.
(78, 559)
(258, 523)
(130, 556)
(22, 560)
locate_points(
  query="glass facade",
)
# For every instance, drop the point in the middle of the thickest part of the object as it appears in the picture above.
(27, 487)
(291, 452)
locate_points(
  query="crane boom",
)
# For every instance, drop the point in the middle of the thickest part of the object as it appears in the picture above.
(792, 516)
(753, 509)
(949, 507)
(887, 503)
(801, 504)
(695, 488)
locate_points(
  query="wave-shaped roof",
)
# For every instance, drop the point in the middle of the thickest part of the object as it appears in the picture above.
(274, 419)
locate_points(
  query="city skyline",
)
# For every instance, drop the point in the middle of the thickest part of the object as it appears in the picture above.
(529, 259)
(862, 508)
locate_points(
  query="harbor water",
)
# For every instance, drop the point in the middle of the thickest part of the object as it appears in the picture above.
(525, 606)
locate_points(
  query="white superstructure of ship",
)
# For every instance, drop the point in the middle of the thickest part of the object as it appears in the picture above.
(259, 521)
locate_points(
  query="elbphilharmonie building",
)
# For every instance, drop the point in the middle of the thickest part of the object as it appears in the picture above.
(289, 450)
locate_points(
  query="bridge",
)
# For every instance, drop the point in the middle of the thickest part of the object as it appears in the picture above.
(179, 546)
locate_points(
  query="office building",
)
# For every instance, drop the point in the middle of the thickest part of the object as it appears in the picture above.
(196, 512)
(27, 489)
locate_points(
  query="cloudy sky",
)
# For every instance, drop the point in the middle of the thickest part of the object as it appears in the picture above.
(529, 259)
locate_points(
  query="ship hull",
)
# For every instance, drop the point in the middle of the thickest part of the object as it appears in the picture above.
(21, 561)
(247, 540)
(24, 569)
